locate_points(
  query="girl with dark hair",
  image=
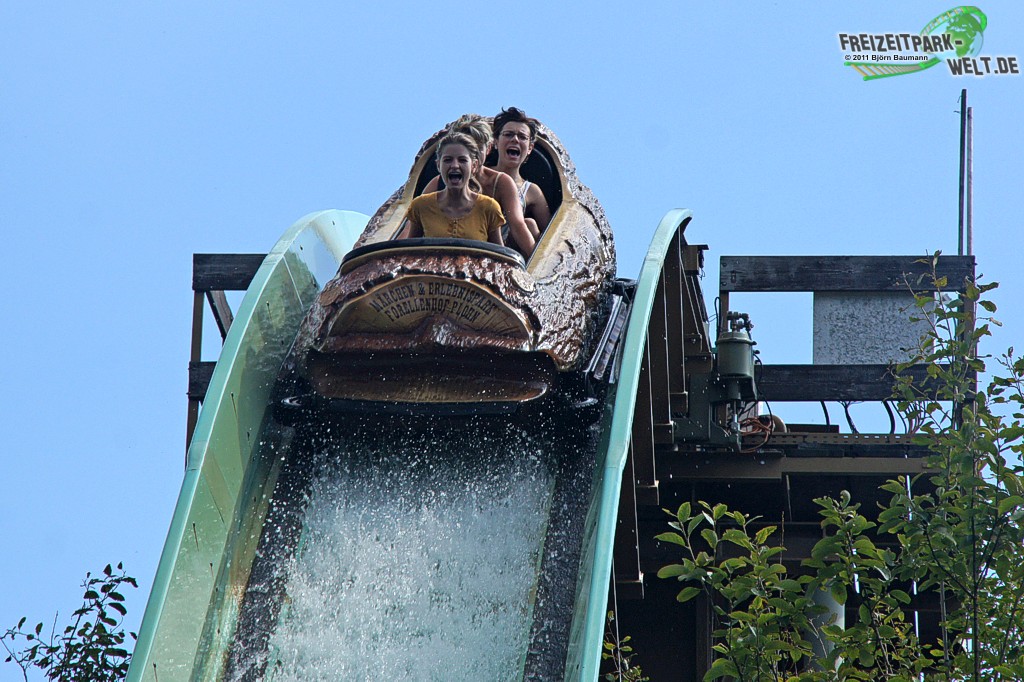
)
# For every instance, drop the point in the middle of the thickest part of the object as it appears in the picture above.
(516, 134)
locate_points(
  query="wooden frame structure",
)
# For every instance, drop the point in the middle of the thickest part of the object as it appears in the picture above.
(678, 343)
(212, 275)
(779, 481)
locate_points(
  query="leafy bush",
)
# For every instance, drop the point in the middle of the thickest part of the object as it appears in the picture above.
(618, 655)
(91, 647)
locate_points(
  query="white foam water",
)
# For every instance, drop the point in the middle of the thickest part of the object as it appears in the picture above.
(416, 563)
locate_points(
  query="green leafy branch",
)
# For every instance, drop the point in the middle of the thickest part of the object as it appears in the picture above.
(91, 647)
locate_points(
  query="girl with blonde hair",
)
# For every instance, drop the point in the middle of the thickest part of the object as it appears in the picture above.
(493, 183)
(457, 211)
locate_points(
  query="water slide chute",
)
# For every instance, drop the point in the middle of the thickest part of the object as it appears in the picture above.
(204, 610)
(222, 465)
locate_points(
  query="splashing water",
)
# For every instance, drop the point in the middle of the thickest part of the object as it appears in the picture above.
(416, 562)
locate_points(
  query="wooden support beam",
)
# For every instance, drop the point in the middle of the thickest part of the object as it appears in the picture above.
(840, 273)
(224, 271)
(199, 374)
(704, 619)
(695, 329)
(642, 436)
(693, 264)
(813, 383)
(658, 340)
(212, 275)
(222, 314)
(196, 342)
(191, 419)
(675, 298)
(195, 353)
(730, 466)
(629, 579)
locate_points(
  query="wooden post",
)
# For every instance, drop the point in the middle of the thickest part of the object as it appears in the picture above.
(658, 343)
(194, 356)
(674, 298)
(963, 163)
(642, 439)
(626, 554)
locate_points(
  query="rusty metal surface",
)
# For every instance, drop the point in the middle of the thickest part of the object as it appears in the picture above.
(493, 282)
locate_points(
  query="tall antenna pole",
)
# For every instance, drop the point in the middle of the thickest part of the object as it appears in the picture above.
(969, 211)
(963, 163)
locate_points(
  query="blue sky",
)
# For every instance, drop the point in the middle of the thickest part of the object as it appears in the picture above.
(134, 135)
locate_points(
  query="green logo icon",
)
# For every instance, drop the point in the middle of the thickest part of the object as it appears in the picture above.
(967, 28)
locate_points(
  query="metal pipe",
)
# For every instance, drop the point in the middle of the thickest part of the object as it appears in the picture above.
(969, 211)
(963, 161)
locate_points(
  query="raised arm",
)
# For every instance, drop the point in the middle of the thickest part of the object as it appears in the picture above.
(508, 198)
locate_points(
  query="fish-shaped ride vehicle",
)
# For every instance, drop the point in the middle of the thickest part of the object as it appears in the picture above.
(456, 322)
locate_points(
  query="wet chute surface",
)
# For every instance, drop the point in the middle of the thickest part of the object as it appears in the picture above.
(440, 548)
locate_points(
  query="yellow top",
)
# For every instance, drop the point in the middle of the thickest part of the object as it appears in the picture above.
(484, 216)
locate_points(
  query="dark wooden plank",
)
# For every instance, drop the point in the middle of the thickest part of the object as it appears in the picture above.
(195, 355)
(695, 315)
(658, 341)
(222, 314)
(693, 266)
(191, 419)
(732, 467)
(224, 271)
(632, 590)
(642, 436)
(198, 310)
(704, 625)
(812, 383)
(674, 297)
(626, 553)
(199, 374)
(839, 273)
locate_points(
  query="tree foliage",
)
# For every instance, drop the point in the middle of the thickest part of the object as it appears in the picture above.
(617, 655)
(953, 535)
(91, 647)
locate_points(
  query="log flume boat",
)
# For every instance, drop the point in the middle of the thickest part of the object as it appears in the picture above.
(453, 322)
